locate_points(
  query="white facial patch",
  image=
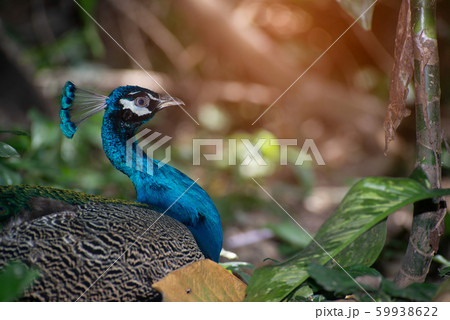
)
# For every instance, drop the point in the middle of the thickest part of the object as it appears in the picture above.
(127, 104)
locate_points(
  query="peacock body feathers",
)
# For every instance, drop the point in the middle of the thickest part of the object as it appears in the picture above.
(96, 251)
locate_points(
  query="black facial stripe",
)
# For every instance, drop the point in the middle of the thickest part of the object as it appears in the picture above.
(129, 116)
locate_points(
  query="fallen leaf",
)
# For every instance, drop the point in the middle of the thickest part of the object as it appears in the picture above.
(203, 280)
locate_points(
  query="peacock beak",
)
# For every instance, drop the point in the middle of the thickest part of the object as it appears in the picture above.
(167, 101)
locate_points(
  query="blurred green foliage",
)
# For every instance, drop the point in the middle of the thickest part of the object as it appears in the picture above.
(14, 279)
(48, 158)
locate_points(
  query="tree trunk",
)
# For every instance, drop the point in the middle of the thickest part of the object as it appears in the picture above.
(428, 222)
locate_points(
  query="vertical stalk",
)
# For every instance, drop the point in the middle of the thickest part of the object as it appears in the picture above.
(428, 224)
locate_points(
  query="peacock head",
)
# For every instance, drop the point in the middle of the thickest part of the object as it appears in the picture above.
(131, 106)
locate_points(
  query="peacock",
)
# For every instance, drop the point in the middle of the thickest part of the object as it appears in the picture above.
(93, 248)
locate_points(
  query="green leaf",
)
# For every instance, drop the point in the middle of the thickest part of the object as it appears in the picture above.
(356, 8)
(413, 292)
(368, 202)
(14, 279)
(16, 132)
(444, 271)
(236, 267)
(7, 151)
(333, 280)
(343, 282)
(354, 278)
(420, 176)
(318, 298)
(304, 293)
(365, 249)
(440, 259)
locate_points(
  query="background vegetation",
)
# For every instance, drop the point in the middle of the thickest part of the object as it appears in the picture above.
(228, 61)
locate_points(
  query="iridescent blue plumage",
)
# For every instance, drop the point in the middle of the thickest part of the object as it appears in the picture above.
(68, 128)
(76, 106)
(163, 187)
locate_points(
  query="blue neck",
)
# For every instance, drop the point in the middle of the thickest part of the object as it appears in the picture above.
(164, 187)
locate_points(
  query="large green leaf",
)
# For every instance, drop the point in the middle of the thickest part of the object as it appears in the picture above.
(367, 203)
(356, 8)
(365, 249)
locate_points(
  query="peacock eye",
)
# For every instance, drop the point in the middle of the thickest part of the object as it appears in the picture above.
(142, 102)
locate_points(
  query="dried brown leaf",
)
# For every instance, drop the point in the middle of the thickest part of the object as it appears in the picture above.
(401, 76)
(203, 280)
